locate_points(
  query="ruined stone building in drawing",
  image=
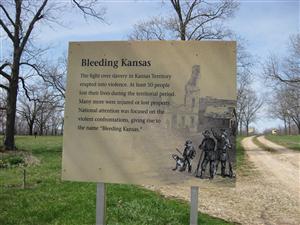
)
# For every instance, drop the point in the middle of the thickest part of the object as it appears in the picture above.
(198, 112)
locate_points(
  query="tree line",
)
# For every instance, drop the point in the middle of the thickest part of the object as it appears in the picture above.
(32, 91)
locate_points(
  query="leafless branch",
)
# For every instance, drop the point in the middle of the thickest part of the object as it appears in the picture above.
(191, 20)
(87, 7)
(149, 30)
(5, 28)
(7, 15)
(4, 74)
(285, 69)
(36, 18)
(26, 90)
(4, 87)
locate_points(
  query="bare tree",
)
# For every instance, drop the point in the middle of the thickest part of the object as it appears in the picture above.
(56, 122)
(20, 17)
(28, 111)
(252, 105)
(286, 106)
(241, 106)
(286, 69)
(283, 76)
(245, 64)
(21, 126)
(153, 29)
(2, 111)
(55, 76)
(46, 111)
(37, 113)
(278, 107)
(198, 20)
(191, 20)
(292, 96)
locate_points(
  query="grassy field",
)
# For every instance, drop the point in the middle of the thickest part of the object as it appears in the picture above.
(289, 141)
(48, 200)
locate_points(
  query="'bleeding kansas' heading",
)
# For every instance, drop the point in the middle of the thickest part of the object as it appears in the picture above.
(114, 63)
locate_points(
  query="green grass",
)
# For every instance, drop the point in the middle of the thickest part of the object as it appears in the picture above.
(48, 200)
(244, 166)
(240, 153)
(289, 141)
(261, 145)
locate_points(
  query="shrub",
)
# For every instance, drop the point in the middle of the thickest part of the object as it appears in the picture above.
(3, 164)
(16, 160)
(12, 161)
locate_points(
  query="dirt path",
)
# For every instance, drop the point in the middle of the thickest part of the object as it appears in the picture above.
(269, 195)
(287, 155)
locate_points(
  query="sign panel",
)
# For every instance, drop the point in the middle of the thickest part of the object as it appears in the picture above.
(159, 112)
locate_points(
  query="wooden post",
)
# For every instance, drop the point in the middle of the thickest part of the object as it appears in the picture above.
(24, 178)
(194, 206)
(100, 204)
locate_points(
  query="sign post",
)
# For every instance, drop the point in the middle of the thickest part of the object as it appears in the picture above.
(100, 204)
(194, 205)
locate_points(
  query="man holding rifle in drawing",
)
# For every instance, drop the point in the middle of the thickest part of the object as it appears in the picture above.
(208, 146)
(223, 146)
(188, 154)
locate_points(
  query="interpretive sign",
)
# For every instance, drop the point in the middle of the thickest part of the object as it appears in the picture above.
(158, 112)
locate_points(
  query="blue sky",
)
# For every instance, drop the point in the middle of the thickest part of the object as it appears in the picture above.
(266, 25)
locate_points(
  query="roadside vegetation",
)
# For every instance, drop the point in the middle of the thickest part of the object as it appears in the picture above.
(243, 166)
(261, 145)
(289, 141)
(48, 200)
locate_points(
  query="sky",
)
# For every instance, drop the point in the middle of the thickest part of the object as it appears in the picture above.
(265, 25)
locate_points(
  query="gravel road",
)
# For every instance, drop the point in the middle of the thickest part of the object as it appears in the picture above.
(269, 195)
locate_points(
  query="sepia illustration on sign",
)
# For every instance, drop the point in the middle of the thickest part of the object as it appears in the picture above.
(198, 114)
